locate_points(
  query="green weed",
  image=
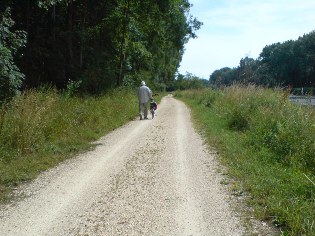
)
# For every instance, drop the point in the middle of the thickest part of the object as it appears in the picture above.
(269, 145)
(41, 128)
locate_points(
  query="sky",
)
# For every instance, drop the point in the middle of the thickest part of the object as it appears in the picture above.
(234, 29)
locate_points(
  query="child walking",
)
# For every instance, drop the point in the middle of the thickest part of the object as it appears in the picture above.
(153, 107)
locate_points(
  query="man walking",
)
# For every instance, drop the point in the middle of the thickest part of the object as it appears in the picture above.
(144, 94)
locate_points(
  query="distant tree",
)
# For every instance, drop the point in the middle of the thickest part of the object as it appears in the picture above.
(247, 71)
(289, 63)
(189, 81)
(224, 76)
(306, 58)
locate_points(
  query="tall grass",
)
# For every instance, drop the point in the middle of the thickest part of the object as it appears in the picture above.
(40, 128)
(269, 145)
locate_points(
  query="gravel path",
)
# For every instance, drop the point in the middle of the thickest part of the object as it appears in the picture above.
(151, 177)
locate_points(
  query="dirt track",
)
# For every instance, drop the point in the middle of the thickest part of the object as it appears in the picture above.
(151, 177)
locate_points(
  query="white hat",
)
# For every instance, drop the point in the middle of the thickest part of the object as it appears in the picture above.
(142, 83)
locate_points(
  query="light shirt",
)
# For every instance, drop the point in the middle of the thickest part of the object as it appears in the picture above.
(144, 94)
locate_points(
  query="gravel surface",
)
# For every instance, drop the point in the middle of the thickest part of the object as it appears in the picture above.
(150, 177)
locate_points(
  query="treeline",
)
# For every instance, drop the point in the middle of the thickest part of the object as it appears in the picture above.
(291, 63)
(188, 81)
(95, 44)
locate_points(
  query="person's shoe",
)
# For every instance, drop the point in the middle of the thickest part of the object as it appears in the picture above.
(146, 118)
(140, 117)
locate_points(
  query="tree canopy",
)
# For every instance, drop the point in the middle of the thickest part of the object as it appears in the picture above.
(10, 41)
(289, 63)
(102, 43)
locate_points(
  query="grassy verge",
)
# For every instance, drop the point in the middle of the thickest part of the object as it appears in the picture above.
(268, 145)
(40, 129)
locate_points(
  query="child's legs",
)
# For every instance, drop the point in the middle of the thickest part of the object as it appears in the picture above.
(145, 107)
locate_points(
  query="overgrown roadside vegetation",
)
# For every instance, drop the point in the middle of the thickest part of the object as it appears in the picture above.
(268, 144)
(39, 129)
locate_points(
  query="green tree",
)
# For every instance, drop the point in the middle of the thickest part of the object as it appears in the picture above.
(102, 43)
(247, 71)
(289, 63)
(10, 75)
(189, 81)
(224, 76)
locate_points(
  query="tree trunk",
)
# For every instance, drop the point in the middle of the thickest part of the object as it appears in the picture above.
(82, 33)
(26, 58)
(122, 55)
(69, 40)
(53, 23)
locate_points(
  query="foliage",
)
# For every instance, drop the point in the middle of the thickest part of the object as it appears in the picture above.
(188, 81)
(269, 144)
(72, 87)
(288, 63)
(223, 76)
(10, 76)
(104, 44)
(41, 128)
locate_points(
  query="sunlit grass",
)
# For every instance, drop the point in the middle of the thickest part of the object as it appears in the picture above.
(268, 144)
(41, 128)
